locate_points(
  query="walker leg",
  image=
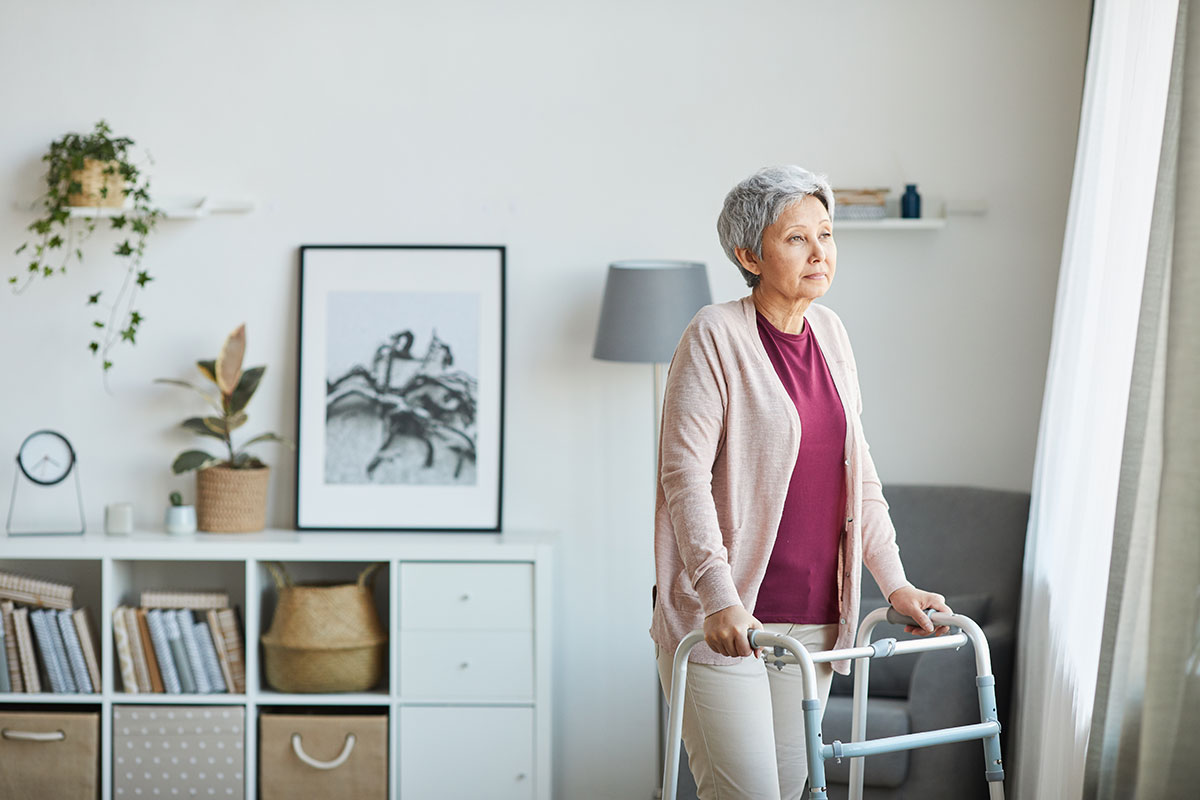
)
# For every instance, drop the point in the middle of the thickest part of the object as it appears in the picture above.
(993, 764)
(813, 742)
(675, 725)
(858, 725)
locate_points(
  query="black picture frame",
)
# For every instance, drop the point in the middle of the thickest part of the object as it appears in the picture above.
(400, 388)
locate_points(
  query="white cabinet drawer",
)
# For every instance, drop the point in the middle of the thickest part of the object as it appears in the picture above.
(466, 596)
(451, 666)
(466, 753)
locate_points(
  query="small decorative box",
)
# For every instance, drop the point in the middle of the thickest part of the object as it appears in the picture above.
(179, 751)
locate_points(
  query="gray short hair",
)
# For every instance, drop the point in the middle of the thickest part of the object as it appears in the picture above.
(758, 201)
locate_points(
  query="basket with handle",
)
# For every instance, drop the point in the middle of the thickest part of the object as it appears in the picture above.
(324, 637)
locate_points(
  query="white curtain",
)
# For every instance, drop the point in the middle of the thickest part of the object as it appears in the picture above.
(1080, 443)
(1145, 740)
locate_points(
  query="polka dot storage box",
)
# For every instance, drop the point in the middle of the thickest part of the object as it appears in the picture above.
(179, 752)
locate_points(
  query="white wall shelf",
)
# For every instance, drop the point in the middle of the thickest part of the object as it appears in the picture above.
(172, 208)
(109, 571)
(891, 224)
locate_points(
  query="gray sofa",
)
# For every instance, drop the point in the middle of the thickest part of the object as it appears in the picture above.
(967, 544)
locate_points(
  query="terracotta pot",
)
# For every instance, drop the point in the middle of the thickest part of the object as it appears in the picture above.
(231, 500)
(93, 179)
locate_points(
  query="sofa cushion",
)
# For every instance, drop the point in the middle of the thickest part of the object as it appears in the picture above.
(890, 676)
(884, 718)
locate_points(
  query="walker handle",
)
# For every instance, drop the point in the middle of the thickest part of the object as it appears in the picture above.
(750, 636)
(896, 618)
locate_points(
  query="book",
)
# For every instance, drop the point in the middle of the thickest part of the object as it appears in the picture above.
(60, 649)
(88, 644)
(74, 652)
(178, 654)
(141, 670)
(156, 684)
(29, 669)
(5, 681)
(124, 658)
(208, 657)
(10, 647)
(230, 632)
(35, 591)
(214, 629)
(162, 650)
(201, 601)
(187, 633)
(51, 658)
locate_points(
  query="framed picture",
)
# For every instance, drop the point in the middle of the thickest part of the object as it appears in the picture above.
(400, 418)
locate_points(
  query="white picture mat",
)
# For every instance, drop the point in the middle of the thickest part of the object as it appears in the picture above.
(319, 505)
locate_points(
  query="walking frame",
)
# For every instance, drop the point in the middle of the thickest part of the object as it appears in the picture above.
(786, 650)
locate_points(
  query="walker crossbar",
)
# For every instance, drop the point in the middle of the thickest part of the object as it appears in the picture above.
(786, 650)
(911, 741)
(948, 642)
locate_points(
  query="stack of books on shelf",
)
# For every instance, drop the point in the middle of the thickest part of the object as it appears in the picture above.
(180, 643)
(854, 204)
(44, 640)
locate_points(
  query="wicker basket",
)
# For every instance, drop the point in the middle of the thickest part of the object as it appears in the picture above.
(231, 500)
(93, 179)
(324, 637)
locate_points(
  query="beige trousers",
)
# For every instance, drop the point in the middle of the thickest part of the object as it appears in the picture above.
(733, 753)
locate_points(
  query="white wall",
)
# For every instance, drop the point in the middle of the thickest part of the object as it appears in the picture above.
(575, 133)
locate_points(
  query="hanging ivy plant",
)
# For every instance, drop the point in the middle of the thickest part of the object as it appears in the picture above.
(93, 171)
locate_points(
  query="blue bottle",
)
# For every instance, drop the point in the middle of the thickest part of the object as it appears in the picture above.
(910, 203)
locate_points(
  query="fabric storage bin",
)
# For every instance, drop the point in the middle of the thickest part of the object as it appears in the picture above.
(49, 754)
(316, 756)
(196, 750)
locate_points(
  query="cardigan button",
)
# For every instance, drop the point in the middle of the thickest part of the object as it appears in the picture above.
(843, 622)
(847, 462)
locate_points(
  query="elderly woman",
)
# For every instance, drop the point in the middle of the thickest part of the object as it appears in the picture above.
(768, 501)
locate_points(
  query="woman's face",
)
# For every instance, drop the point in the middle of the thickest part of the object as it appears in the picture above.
(799, 256)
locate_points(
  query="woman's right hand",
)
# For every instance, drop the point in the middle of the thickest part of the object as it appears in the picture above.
(725, 631)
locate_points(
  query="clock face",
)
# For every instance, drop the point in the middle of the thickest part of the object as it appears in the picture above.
(46, 457)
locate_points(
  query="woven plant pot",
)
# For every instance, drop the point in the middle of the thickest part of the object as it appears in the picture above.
(324, 637)
(231, 500)
(93, 179)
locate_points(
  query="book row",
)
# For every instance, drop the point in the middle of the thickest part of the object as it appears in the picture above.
(47, 647)
(169, 650)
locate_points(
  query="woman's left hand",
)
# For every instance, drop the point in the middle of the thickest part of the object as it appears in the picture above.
(912, 602)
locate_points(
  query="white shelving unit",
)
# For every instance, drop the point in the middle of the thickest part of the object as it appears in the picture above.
(469, 658)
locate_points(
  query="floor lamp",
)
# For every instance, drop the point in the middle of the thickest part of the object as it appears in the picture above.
(647, 304)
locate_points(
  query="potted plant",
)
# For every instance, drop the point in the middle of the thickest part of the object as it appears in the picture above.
(231, 489)
(180, 518)
(93, 170)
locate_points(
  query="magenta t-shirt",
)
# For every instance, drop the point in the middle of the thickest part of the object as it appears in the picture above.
(800, 585)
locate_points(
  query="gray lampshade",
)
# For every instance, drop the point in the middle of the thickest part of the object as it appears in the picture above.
(647, 304)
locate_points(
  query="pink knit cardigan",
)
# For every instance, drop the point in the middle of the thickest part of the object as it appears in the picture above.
(730, 437)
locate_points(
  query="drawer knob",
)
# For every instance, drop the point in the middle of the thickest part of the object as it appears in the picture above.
(465, 597)
(520, 776)
(464, 665)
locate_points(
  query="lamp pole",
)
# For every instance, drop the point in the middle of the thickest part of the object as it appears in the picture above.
(647, 305)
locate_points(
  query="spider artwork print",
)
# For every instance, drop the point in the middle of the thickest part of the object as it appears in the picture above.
(412, 413)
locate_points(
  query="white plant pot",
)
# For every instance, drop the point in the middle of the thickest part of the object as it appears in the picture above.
(181, 519)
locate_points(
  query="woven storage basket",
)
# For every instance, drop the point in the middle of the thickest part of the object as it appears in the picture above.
(323, 637)
(231, 500)
(93, 179)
